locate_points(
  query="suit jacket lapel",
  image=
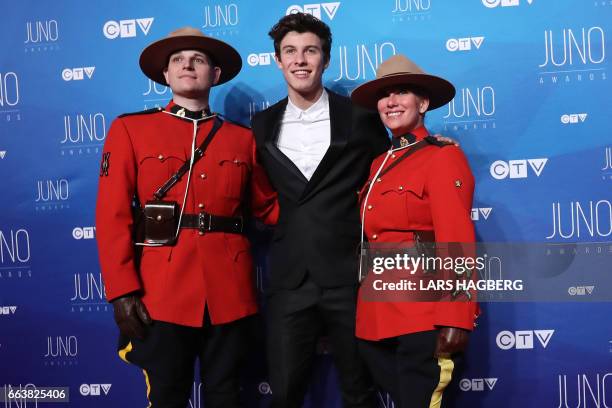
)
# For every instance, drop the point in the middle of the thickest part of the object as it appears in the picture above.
(275, 118)
(340, 128)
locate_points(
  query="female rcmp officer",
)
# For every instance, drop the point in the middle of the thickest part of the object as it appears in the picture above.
(412, 347)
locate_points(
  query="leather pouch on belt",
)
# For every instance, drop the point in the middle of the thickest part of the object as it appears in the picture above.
(161, 220)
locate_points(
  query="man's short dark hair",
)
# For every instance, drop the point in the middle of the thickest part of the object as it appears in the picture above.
(302, 23)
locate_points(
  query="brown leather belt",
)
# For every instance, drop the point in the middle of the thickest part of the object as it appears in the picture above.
(205, 222)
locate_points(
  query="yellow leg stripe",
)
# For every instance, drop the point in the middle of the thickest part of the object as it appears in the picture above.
(446, 373)
(124, 351)
(148, 387)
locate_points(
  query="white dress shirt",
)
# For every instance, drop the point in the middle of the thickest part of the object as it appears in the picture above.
(304, 135)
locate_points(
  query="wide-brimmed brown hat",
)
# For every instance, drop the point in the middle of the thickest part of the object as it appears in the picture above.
(399, 71)
(154, 58)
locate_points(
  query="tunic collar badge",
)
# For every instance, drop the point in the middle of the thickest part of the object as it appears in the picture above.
(186, 113)
(403, 140)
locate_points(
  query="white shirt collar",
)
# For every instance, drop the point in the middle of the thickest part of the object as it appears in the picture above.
(321, 106)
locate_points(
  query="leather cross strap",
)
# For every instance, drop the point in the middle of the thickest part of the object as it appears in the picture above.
(199, 152)
(416, 147)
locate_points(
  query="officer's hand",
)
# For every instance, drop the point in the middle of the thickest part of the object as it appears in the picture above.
(131, 316)
(451, 340)
(446, 139)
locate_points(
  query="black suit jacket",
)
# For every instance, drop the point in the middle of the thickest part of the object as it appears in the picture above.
(319, 228)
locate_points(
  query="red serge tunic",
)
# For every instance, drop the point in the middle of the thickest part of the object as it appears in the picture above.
(213, 270)
(430, 190)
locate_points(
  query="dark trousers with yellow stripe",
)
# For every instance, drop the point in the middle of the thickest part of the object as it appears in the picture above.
(168, 354)
(406, 368)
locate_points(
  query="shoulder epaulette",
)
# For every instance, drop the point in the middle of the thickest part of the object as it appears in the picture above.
(144, 112)
(233, 122)
(440, 143)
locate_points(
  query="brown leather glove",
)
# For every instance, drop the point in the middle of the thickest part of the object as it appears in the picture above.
(131, 316)
(451, 340)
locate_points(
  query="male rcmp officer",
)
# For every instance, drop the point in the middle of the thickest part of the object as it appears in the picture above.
(317, 149)
(191, 299)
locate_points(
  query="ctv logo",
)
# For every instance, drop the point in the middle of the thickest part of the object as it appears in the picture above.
(7, 310)
(264, 388)
(258, 106)
(94, 389)
(315, 9)
(522, 339)
(503, 3)
(477, 384)
(2, 154)
(517, 168)
(84, 233)
(265, 58)
(573, 118)
(580, 290)
(463, 44)
(477, 213)
(77, 74)
(126, 28)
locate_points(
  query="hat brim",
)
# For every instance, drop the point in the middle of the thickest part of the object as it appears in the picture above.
(154, 58)
(439, 90)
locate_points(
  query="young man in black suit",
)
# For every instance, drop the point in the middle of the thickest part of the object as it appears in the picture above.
(317, 149)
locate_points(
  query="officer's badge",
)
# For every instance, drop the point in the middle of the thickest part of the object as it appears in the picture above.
(404, 142)
(181, 112)
(105, 165)
(458, 183)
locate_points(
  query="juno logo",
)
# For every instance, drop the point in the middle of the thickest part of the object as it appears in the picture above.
(584, 387)
(9, 89)
(220, 16)
(41, 32)
(14, 247)
(581, 219)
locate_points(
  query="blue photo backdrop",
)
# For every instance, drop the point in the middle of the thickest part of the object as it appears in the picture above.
(532, 113)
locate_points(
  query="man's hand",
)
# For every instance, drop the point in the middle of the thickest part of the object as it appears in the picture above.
(446, 139)
(451, 340)
(131, 316)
